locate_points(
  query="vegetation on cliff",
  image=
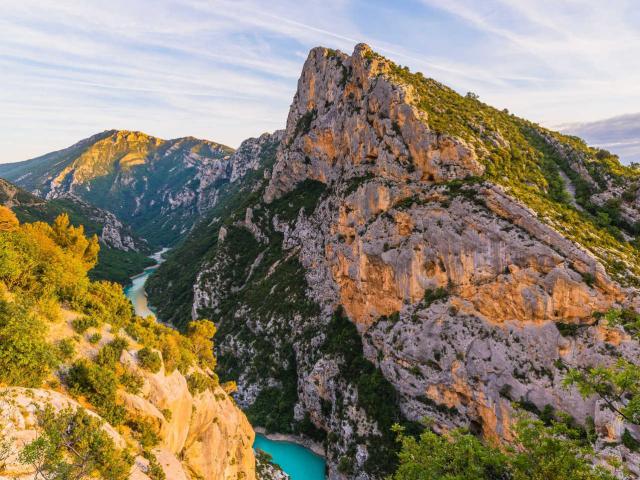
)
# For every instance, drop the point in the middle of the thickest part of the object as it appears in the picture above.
(52, 317)
(114, 264)
(530, 161)
(537, 452)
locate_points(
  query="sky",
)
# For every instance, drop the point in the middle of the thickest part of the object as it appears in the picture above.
(227, 70)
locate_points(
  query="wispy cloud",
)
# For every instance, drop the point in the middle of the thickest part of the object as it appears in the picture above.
(620, 135)
(227, 69)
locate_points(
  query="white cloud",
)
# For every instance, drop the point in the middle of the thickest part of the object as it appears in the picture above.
(620, 135)
(227, 69)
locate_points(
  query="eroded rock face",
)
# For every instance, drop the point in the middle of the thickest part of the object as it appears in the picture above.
(382, 256)
(488, 339)
(458, 291)
(347, 117)
(220, 440)
(208, 432)
(201, 436)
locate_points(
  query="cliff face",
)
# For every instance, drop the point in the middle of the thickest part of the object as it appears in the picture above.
(201, 435)
(448, 234)
(347, 116)
(248, 172)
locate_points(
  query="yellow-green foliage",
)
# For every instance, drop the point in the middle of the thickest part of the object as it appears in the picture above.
(43, 279)
(199, 382)
(149, 360)
(201, 333)
(73, 444)
(40, 266)
(176, 349)
(25, 357)
(8, 220)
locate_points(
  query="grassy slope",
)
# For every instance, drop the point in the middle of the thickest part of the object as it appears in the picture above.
(516, 157)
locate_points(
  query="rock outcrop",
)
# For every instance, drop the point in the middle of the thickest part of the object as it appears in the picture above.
(348, 117)
(202, 435)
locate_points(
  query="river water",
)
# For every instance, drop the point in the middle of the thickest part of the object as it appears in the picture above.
(298, 462)
(136, 292)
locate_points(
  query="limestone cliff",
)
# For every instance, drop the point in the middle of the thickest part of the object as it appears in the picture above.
(201, 435)
(447, 233)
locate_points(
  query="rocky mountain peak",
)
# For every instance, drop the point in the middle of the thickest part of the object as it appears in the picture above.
(351, 117)
(468, 255)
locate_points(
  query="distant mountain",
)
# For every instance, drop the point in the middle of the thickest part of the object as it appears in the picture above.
(620, 134)
(122, 253)
(157, 186)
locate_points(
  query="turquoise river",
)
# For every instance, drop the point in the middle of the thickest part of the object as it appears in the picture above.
(298, 462)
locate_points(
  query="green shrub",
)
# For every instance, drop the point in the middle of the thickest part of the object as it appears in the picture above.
(537, 451)
(154, 471)
(144, 431)
(94, 338)
(110, 353)
(568, 329)
(433, 295)
(99, 385)
(630, 442)
(66, 349)
(71, 443)
(25, 356)
(345, 464)
(199, 382)
(200, 333)
(166, 412)
(106, 300)
(149, 360)
(132, 382)
(82, 324)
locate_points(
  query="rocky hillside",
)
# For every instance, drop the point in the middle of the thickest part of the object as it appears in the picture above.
(122, 253)
(410, 253)
(158, 186)
(89, 389)
(250, 163)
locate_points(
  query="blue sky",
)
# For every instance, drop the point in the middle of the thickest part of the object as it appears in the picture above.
(227, 70)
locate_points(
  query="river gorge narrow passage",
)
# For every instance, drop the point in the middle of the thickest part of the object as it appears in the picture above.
(298, 462)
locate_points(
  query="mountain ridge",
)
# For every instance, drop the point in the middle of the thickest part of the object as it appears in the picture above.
(398, 252)
(138, 177)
